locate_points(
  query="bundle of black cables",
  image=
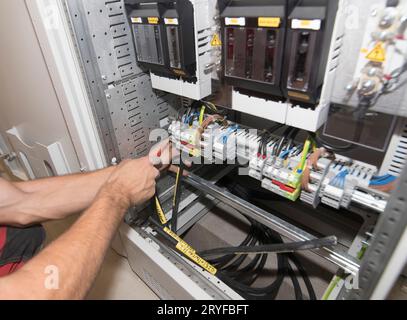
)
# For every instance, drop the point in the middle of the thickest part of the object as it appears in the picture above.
(240, 273)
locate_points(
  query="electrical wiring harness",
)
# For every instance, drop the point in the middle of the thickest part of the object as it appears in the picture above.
(308, 171)
(234, 266)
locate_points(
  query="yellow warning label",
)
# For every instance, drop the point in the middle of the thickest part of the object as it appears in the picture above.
(378, 54)
(216, 42)
(160, 211)
(153, 20)
(191, 254)
(269, 22)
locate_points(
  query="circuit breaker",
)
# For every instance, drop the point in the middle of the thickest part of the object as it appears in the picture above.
(173, 40)
(162, 34)
(309, 35)
(254, 37)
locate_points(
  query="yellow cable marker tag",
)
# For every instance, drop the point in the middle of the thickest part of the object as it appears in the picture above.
(173, 235)
(152, 20)
(191, 254)
(160, 212)
(378, 54)
(216, 42)
(269, 22)
(188, 251)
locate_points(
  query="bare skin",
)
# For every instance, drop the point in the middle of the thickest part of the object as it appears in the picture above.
(26, 203)
(78, 254)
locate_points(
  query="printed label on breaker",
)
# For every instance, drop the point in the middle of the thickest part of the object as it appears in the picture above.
(191, 254)
(171, 21)
(306, 24)
(235, 22)
(269, 22)
(153, 20)
(136, 20)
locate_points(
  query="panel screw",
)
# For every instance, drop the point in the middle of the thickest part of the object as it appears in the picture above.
(350, 87)
(114, 162)
(104, 77)
(108, 96)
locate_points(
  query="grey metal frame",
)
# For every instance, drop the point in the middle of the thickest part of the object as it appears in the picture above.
(91, 74)
(386, 237)
(125, 105)
(338, 257)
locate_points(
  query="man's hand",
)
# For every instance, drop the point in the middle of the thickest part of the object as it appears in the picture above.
(135, 180)
(164, 156)
(78, 254)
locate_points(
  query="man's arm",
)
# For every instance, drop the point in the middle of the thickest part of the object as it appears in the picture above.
(31, 202)
(78, 254)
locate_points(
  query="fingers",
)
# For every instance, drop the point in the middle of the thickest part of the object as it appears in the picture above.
(156, 173)
(175, 170)
(155, 161)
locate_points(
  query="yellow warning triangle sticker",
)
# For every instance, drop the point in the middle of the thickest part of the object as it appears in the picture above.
(378, 54)
(216, 42)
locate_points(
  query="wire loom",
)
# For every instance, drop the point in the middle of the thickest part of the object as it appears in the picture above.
(233, 267)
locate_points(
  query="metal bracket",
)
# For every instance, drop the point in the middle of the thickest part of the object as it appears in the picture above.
(338, 257)
(387, 235)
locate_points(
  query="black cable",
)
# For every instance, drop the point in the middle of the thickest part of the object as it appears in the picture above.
(273, 248)
(282, 140)
(330, 147)
(177, 197)
(291, 138)
(295, 282)
(268, 235)
(304, 276)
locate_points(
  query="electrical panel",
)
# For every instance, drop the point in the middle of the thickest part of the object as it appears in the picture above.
(173, 41)
(283, 59)
(373, 64)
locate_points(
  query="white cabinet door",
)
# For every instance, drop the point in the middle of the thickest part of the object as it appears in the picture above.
(36, 121)
(28, 101)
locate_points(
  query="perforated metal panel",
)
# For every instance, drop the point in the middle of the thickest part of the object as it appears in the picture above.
(111, 39)
(124, 103)
(135, 110)
(396, 156)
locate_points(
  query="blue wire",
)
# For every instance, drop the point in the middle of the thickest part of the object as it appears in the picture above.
(382, 181)
(226, 136)
(339, 180)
